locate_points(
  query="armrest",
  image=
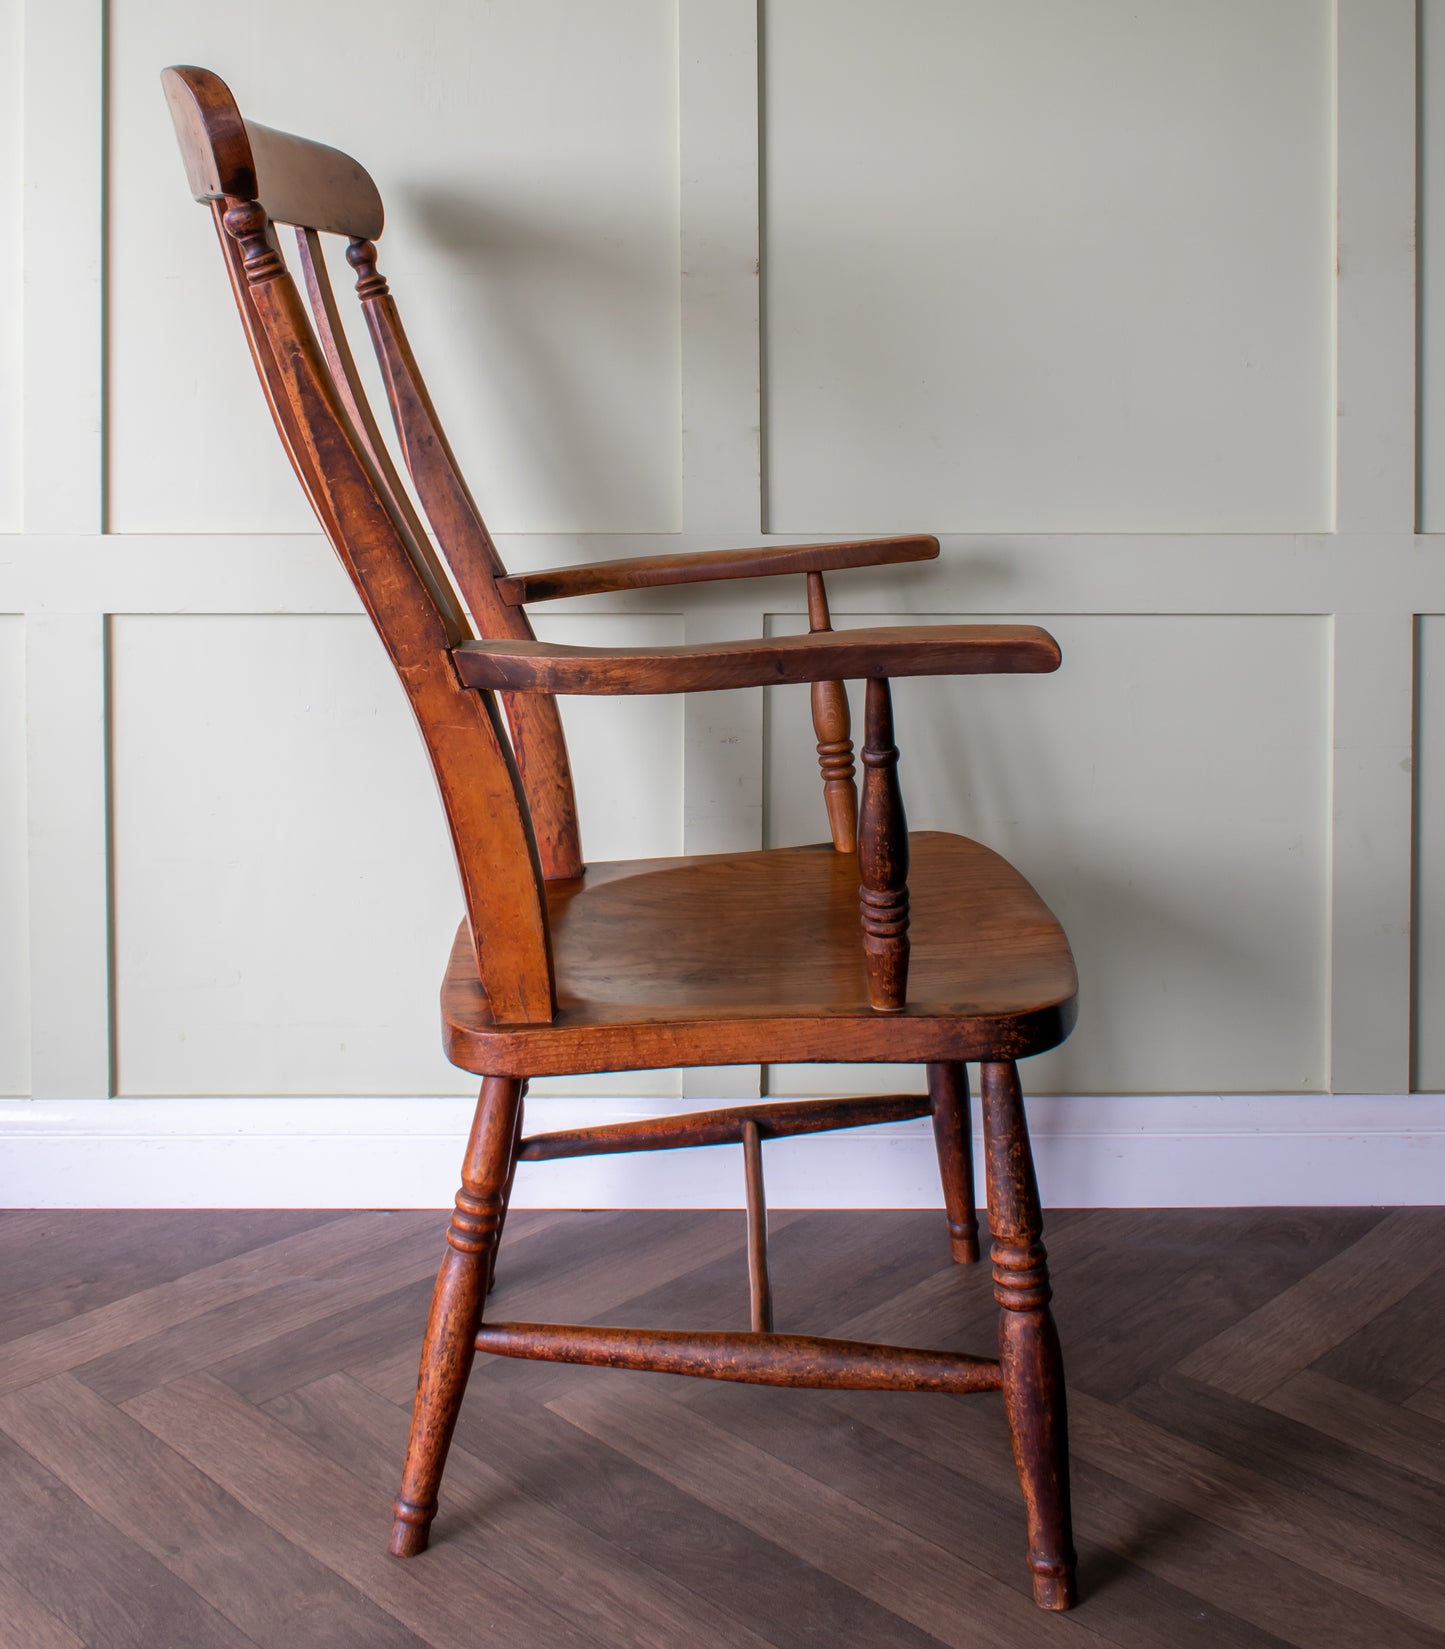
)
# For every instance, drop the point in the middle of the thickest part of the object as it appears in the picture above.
(644, 572)
(825, 655)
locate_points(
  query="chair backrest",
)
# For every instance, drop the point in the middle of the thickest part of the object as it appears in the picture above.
(509, 802)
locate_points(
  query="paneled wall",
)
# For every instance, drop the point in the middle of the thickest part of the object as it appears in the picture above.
(1141, 309)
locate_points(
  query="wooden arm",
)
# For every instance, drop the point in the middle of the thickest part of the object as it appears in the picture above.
(828, 655)
(647, 571)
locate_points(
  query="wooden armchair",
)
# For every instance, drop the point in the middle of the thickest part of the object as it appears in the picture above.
(878, 946)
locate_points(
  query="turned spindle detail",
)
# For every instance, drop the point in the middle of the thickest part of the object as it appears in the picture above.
(835, 743)
(1029, 1357)
(883, 857)
(456, 1311)
(247, 224)
(361, 255)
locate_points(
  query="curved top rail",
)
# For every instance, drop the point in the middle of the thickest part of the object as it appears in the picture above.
(295, 180)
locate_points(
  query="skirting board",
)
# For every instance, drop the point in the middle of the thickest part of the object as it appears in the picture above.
(1194, 1151)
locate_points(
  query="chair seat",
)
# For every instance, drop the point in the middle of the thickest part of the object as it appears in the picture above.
(756, 958)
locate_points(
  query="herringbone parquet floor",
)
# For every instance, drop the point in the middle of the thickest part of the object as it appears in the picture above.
(202, 1418)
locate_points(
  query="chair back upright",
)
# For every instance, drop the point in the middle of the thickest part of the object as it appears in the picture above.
(509, 801)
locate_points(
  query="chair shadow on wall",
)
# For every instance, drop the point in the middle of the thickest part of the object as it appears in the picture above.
(978, 775)
(569, 421)
(982, 776)
(564, 417)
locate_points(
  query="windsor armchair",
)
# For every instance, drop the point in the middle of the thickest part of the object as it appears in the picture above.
(875, 946)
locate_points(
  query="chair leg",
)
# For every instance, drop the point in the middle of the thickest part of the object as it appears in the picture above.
(456, 1309)
(953, 1135)
(507, 1190)
(1031, 1364)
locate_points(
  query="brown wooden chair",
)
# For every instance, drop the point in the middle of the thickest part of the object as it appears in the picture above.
(943, 954)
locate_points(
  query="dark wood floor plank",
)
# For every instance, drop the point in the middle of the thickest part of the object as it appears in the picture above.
(601, 1263)
(825, 1271)
(97, 1333)
(727, 1564)
(1120, 1523)
(266, 1363)
(965, 1500)
(75, 1260)
(953, 1307)
(26, 1624)
(182, 1519)
(326, 1511)
(1389, 1357)
(1323, 1309)
(1156, 1295)
(1282, 1519)
(100, 1585)
(1405, 1441)
(1345, 1481)
(388, 1329)
(914, 1579)
(349, 1284)
(619, 1598)
(1429, 1400)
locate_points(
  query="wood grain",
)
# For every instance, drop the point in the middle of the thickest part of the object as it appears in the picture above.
(1252, 1357)
(97, 1583)
(1408, 1578)
(618, 1594)
(136, 1316)
(644, 572)
(29, 1625)
(778, 1120)
(284, 1481)
(766, 661)
(297, 180)
(175, 1513)
(989, 971)
(1204, 1520)
(821, 1527)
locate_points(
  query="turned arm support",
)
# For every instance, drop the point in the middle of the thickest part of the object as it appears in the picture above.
(646, 572)
(769, 661)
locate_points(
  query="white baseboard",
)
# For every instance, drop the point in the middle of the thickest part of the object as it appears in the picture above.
(1193, 1151)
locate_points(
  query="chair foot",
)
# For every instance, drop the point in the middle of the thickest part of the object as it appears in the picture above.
(412, 1530)
(964, 1246)
(456, 1310)
(1055, 1591)
(1029, 1358)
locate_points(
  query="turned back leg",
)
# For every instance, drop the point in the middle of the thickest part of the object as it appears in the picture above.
(507, 1189)
(953, 1135)
(1032, 1367)
(456, 1309)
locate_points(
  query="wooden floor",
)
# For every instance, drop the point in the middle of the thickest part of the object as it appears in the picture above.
(202, 1419)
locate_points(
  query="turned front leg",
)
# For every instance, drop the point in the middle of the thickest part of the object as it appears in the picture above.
(834, 732)
(883, 857)
(1029, 1357)
(456, 1309)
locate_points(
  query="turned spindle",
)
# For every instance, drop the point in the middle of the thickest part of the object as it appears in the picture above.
(361, 255)
(247, 224)
(883, 857)
(835, 743)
